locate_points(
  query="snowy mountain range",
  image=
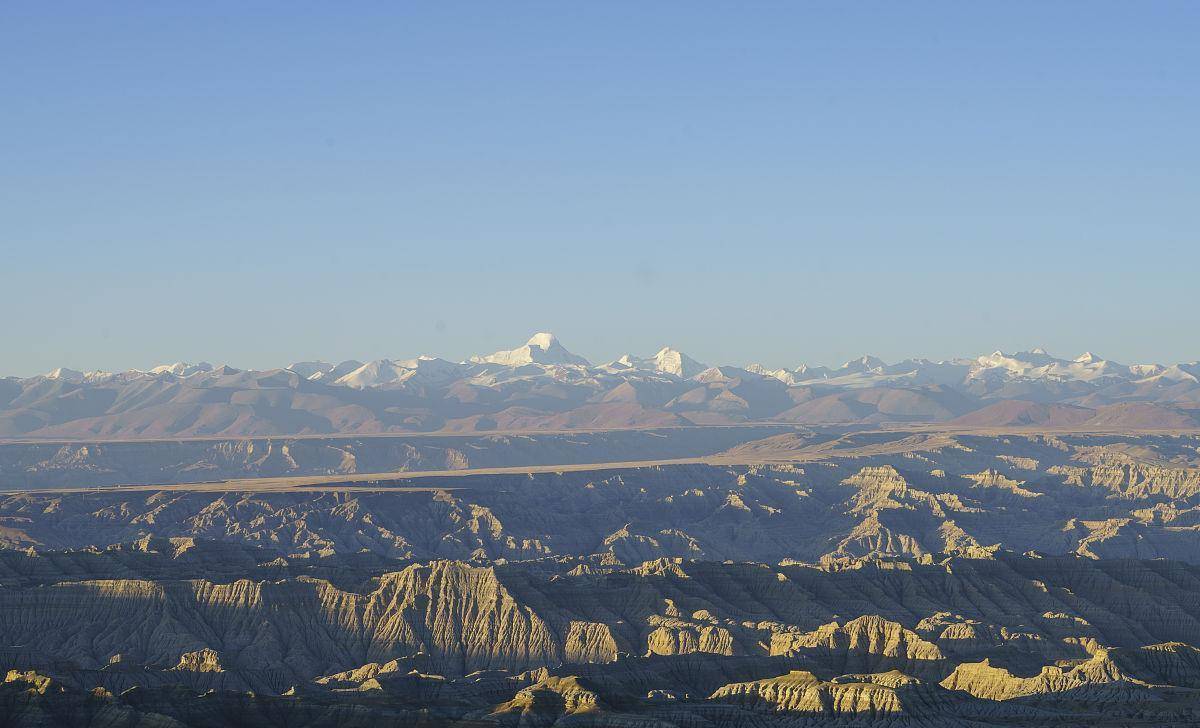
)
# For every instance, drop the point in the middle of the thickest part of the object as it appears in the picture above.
(542, 384)
(545, 350)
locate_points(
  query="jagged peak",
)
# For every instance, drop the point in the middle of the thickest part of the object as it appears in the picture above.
(543, 339)
(865, 362)
(541, 348)
(676, 362)
(64, 373)
(182, 368)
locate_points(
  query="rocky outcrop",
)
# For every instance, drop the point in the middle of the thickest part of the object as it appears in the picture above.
(867, 644)
(547, 701)
(1098, 678)
(204, 660)
(887, 696)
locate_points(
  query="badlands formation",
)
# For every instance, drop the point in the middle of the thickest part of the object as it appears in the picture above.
(703, 576)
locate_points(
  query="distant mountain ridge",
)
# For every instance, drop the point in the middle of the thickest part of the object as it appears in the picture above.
(543, 385)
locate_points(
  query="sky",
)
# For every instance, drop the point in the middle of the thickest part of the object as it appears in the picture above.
(261, 183)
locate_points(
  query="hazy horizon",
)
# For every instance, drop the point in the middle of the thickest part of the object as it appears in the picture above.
(743, 359)
(796, 184)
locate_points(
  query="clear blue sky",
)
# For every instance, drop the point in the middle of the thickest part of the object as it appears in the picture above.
(792, 182)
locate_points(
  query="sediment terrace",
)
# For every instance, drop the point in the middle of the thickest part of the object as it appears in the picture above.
(93, 463)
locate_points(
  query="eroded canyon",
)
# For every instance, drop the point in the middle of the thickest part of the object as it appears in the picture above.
(794, 576)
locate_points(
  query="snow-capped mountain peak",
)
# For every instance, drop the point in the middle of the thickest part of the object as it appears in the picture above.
(384, 372)
(307, 369)
(542, 348)
(372, 374)
(666, 361)
(789, 378)
(865, 363)
(335, 372)
(66, 374)
(182, 368)
(1020, 362)
(543, 340)
(673, 361)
